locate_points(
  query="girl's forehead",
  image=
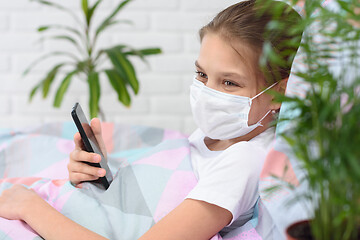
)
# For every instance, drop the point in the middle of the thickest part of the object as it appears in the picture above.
(219, 55)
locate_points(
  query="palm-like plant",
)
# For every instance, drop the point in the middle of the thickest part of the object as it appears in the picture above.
(324, 135)
(84, 38)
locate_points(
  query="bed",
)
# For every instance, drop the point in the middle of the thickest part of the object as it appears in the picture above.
(152, 175)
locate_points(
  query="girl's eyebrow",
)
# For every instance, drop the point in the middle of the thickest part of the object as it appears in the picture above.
(197, 64)
(225, 74)
(232, 74)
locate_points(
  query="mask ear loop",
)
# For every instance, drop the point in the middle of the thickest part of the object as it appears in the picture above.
(263, 91)
(250, 101)
(259, 122)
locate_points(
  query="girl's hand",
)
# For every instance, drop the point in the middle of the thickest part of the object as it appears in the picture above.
(20, 203)
(15, 201)
(80, 171)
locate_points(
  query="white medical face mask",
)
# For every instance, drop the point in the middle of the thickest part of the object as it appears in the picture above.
(220, 115)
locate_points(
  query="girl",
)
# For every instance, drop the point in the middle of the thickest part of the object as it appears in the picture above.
(233, 113)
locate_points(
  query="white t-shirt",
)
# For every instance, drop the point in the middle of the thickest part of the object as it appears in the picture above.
(230, 178)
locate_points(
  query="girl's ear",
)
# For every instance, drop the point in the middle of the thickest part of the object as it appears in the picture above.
(280, 88)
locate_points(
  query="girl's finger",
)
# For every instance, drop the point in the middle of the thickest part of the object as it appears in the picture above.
(83, 168)
(78, 142)
(83, 156)
(77, 178)
(96, 128)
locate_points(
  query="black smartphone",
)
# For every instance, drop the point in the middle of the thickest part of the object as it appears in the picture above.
(90, 143)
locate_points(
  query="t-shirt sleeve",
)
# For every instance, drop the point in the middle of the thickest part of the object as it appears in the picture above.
(231, 182)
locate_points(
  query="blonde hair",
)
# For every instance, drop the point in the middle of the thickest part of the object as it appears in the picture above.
(244, 25)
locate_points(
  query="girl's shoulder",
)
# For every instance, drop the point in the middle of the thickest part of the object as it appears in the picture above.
(262, 143)
(196, 135)
(264, 139)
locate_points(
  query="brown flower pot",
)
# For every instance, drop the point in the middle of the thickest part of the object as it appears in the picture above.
(299, 231)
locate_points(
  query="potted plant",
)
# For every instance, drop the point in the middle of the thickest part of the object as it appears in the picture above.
(86, 62)
(324, 133)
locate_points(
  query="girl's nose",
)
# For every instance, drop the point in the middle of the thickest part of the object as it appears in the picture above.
(209, 83)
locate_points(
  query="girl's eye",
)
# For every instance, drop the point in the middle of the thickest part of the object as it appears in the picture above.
(201, 74)
(228, 83)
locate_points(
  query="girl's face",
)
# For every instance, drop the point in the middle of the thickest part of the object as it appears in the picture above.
(220, 67)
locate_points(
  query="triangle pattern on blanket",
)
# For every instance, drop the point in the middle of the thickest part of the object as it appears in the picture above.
(170, 159)
(124, 193)
(152, 182)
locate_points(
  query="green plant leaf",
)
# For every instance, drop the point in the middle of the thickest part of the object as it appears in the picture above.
(58, 6)
(85, 8)
(62, 37)
(46, 56)
(94, 96)
(67, 28)
(150, 51)
(123, 66)
(119, 85)
(51, 4)
(66, 38)
(129, 22)
(111, 23)
(33, 91)
(92, 10)
(102, 51)
(109, 19)
(345, 6)
(46, 83)
(270, 191)
(143, 52)
(43, 28)
(63, 88)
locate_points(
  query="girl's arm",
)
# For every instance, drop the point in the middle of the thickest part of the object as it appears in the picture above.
(50, 224)
(20, 203)
(192, 219)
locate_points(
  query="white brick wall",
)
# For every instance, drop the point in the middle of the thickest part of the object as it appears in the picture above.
(163, 98)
